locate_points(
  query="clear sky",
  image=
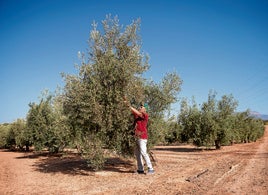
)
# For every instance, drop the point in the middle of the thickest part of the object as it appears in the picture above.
(219, 45)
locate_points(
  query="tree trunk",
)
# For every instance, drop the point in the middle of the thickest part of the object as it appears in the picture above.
(27, 148)
(218, 144)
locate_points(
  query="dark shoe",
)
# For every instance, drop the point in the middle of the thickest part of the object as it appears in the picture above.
(140, 172)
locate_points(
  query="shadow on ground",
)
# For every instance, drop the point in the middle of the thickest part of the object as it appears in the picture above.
(73, 164)
(183, 149)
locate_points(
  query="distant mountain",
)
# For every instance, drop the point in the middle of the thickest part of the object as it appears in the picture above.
(258, 115)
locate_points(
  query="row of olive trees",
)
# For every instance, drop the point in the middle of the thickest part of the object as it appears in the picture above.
(44, 128)
(12, 135)
(215, 123)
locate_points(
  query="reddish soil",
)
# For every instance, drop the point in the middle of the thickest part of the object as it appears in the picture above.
(237, 169)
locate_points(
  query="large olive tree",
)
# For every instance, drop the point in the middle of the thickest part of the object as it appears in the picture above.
(110, 71)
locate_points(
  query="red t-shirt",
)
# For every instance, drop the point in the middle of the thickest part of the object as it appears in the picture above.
(141, 126)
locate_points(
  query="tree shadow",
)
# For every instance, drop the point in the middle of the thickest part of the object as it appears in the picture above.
(15, 150)
(74, 164)
(252, 154)
(116, 164)
(37, 154)
(172, 149)
(183, 149)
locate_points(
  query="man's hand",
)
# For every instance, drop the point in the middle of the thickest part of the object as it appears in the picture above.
(125, 101)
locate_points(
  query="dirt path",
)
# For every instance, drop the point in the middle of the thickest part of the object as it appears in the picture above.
(237, 169)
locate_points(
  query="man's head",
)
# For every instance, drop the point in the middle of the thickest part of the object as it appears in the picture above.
(143, 107)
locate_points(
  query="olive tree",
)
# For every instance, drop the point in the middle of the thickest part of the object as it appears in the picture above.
(189, 119)
(160, 96)
(44, 127)
(110, 71)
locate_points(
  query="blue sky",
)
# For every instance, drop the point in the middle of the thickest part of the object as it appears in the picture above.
(219, 45)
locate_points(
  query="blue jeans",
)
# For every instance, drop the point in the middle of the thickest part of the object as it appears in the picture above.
(141, 153)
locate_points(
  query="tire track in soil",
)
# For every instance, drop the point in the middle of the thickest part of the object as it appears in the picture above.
(249, 173)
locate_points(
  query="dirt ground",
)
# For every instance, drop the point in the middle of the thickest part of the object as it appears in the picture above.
(237, 169)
